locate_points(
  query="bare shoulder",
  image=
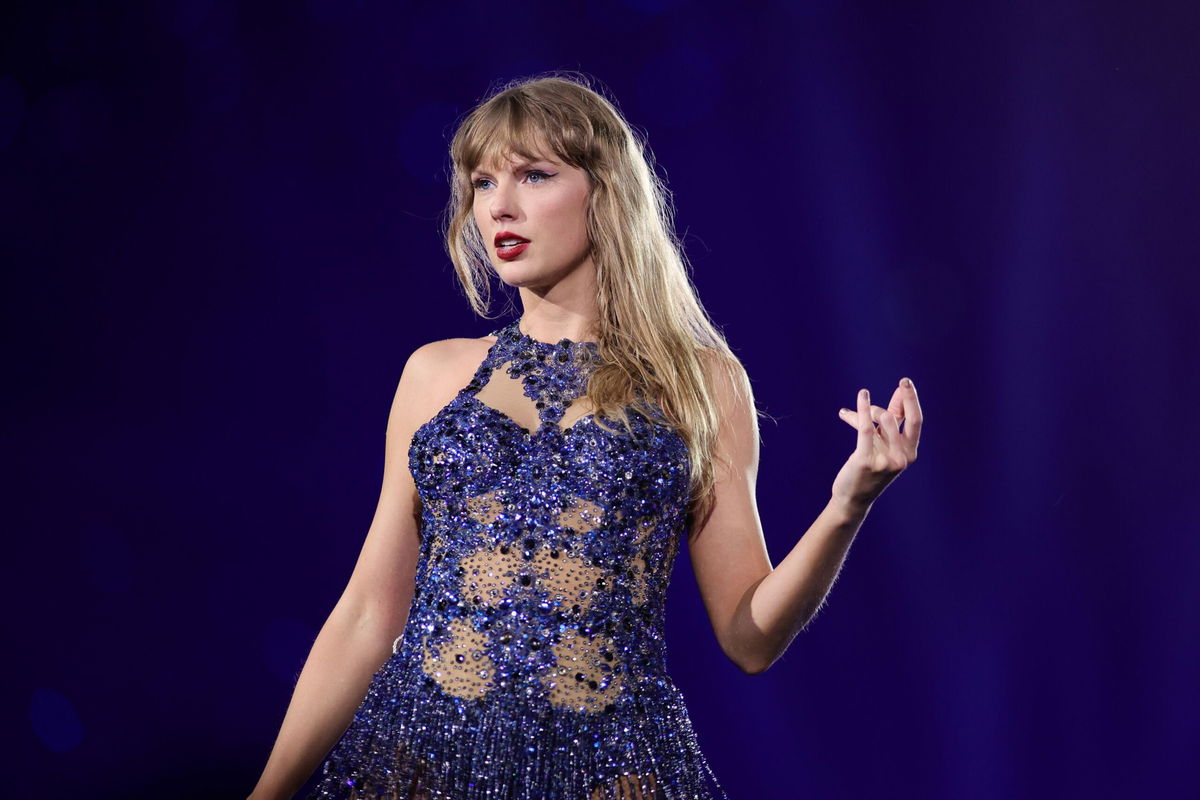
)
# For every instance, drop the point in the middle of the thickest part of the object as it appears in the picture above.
(448, 362)
(726, 379)
(434, 373)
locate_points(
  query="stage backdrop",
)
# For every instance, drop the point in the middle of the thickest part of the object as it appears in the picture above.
(220, 244)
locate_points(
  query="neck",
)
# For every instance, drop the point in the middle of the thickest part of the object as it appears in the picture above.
(552, 326)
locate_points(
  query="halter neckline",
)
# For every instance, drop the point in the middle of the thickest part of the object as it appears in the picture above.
(513, 329)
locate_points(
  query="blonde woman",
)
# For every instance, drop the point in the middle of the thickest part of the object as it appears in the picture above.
(501, 635)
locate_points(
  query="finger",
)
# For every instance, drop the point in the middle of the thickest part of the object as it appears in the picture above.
(896, 406)
(913, 417)
(849, 417)
(866, 425)
(889, 429)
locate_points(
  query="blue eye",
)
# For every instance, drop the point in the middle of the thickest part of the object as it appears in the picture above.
(544, 176)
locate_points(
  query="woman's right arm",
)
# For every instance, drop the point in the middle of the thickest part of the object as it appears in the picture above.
(357, 637)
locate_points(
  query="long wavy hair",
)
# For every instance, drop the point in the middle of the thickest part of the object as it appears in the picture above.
(656, 341)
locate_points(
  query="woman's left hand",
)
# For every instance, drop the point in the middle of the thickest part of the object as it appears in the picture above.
(883, 452)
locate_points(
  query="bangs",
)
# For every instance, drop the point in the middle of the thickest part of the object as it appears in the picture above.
(513, 128)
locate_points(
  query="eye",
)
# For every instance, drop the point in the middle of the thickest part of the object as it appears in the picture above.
(531, 175)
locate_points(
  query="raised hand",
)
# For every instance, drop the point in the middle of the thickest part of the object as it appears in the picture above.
(883, 450)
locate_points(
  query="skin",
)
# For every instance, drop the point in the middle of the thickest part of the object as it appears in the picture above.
(755, 608)
(546, 202)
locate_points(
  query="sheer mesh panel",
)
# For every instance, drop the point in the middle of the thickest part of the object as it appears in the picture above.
(630, 787)
(587, 675)
(639, 565)
(506, 394)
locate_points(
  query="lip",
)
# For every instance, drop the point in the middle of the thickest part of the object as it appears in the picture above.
(502, 235)
(509, 253)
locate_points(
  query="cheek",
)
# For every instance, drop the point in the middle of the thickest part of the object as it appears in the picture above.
(574, 217)
(574, 231)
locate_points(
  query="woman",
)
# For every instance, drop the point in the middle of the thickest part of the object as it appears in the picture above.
(501, 634)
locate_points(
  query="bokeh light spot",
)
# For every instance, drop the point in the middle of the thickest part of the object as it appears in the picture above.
(54, 720)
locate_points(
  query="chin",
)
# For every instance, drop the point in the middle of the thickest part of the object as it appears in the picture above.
(518, 275)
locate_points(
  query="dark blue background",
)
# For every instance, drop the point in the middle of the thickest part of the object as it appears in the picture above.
(220, 245)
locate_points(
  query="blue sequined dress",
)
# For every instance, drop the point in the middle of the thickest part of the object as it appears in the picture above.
(533, 665)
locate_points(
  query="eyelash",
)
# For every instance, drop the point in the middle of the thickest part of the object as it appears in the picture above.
(545, 175)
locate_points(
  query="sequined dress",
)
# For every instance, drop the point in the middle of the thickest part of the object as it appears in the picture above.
(533, 664)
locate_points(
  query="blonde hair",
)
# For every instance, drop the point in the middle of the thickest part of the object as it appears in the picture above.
(655, 340)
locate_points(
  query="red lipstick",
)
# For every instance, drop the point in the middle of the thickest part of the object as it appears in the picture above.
(509, 245)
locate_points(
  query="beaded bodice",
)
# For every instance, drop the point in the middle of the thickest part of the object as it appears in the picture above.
(546, 550)
(533, 662)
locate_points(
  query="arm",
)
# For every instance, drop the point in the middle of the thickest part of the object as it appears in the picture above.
(756, 609)
(357, 637)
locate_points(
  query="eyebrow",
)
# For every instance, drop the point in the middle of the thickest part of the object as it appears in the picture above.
(520, 165)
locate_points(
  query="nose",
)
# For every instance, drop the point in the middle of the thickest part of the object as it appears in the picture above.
(504, 201)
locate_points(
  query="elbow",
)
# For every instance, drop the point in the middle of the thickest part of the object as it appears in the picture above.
(758, 658)
(751, 657)
(371, 618)
(752, 666)
(751, 662)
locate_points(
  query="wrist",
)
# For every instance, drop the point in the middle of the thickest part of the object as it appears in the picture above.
(846, 511)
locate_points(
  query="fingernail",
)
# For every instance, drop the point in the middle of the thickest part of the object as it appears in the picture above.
(866, 395)
(906, 382)
(843, 411)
